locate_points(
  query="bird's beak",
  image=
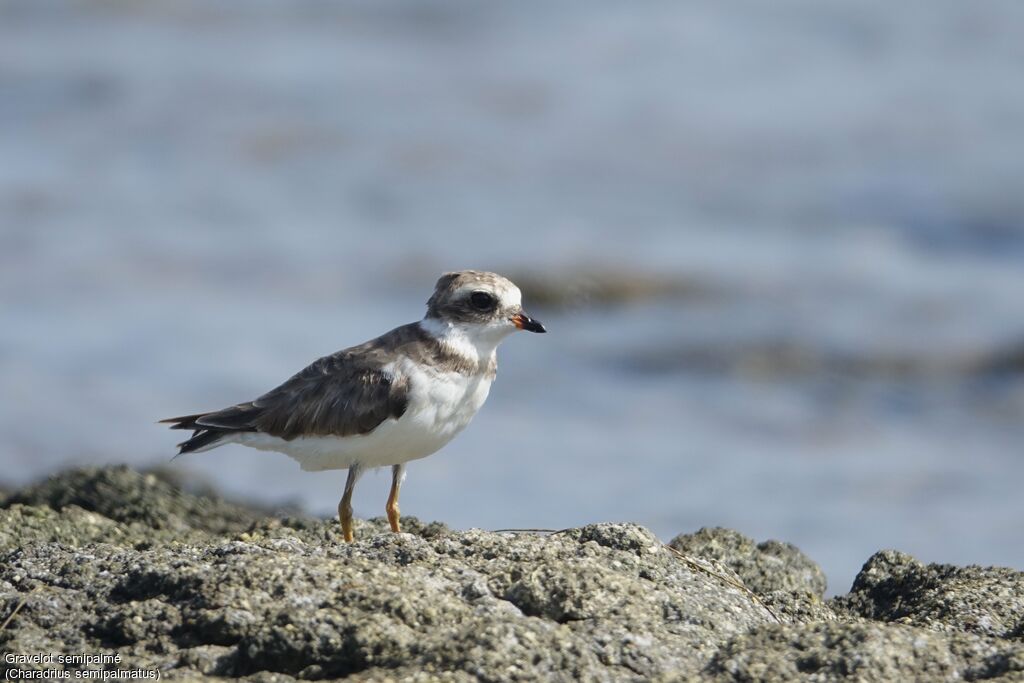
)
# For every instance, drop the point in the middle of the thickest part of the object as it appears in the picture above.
(525, 322)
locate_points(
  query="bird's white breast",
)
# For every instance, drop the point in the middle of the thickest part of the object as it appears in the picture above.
(441, 404)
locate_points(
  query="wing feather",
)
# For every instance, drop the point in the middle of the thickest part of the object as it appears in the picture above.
(344, 394)
(334, 396)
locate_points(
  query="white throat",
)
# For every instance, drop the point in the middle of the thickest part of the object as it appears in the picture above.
(473, 341)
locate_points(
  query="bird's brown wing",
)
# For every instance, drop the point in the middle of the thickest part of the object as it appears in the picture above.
(347, 393)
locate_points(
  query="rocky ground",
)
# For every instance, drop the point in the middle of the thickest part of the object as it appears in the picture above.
(111, 561)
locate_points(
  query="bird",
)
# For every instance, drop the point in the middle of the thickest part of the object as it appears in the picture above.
(394, 399)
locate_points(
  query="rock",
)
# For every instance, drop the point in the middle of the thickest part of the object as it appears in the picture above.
(895, 587)
(773, 358)
(72, 527)
(195, 586)
(764, 568)
(123, 495)
(1008, 360)
(863, 652)
(788, 582)
(603, 287)
(109, 561)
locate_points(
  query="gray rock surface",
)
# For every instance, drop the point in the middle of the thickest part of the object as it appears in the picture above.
(893, 586)
(110, 561)
(784, 578)
(864, 651)
(764, 567)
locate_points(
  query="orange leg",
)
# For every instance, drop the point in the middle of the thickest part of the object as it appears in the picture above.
(397, 475)
(345, 506)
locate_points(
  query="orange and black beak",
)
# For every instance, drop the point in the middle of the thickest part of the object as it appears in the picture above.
(525, 322)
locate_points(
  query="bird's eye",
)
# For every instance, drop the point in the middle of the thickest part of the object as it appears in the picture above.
(482, 301)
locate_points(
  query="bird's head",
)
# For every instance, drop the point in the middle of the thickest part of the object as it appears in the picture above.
(486, 303)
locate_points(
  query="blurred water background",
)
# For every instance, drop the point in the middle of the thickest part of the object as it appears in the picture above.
(779, 248)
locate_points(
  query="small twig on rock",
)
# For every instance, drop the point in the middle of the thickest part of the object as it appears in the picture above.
(694, 564)
(17, 608)
(549, 532)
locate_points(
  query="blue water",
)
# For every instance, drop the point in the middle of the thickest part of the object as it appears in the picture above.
(197, 199)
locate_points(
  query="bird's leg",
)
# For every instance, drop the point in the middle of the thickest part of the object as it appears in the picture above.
(345, 506)
(397, 475)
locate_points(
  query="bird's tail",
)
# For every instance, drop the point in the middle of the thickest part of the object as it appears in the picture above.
(203, 437)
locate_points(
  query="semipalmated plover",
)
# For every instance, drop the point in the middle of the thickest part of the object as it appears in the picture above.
(396, 398)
